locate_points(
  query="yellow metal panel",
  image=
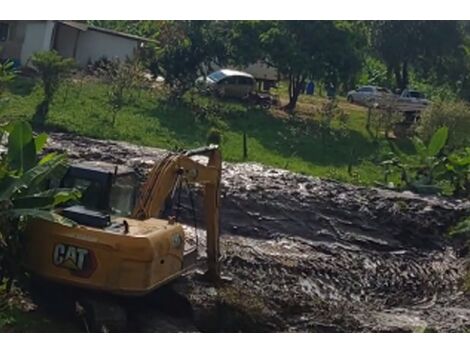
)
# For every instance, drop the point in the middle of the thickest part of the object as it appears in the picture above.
(132, 263)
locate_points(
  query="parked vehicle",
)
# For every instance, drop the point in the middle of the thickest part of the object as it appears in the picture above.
(228, 83)
(411, 100)
(367, 95)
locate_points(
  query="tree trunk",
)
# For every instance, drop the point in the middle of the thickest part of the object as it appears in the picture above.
(295, 87)
(404, 76)
(397, 72)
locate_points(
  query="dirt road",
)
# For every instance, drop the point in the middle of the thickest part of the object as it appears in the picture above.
(305, 254)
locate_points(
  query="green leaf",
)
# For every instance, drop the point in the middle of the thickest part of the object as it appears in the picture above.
(420, 147)
(30, 181)
(33, 202)
(54, 167)
(438, 141)
(47, 199)
(21, 148)
(38, 214)
(40, 142)
(8, 186)
(66, 195)
(462, 228)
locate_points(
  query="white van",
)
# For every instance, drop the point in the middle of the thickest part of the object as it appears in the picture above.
(228, 83)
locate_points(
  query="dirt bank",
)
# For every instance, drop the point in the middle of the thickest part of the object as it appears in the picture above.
(305, 254)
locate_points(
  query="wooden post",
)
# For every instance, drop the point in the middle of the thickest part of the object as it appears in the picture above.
(211, 206)
(245, 146)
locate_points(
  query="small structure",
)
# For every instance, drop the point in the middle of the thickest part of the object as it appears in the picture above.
(19, 40)
(265, 75)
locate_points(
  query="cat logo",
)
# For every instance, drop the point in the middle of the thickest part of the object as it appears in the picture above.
(79, 261)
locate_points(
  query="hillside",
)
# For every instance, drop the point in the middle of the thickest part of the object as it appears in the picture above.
(299, 143)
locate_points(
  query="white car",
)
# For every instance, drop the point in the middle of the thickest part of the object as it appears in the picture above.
(228, 83)
(367, 95)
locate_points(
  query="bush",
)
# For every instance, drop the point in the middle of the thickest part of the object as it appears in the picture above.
(421, 172)
(122, 78)
(51, 68)
(214, 136)
(454, 115)
(7, 74)
(23, 195)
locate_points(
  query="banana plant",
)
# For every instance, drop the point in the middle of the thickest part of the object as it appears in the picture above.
(418, 171)
(458, 172)
(7, 74)
(24, 194)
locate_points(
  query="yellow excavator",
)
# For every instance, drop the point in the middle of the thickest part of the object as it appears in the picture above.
(120, 244)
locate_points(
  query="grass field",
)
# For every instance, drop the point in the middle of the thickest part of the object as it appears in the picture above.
(295, 142)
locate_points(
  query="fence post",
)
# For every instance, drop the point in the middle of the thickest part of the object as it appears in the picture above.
(245, 146)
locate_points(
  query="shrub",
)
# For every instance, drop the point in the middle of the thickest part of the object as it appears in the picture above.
(22, 193)
(214, 136)
(122, 77)
(7, 74)
(454, 115)
(421, 172)
(51, 68)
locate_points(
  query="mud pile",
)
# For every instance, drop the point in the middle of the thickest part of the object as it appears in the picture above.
(305, 254)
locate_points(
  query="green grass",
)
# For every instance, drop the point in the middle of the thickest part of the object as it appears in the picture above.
(274, 138)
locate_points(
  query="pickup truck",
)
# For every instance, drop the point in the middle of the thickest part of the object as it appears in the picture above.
(411, 101)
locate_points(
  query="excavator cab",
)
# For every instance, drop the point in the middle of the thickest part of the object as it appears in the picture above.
(107, 190)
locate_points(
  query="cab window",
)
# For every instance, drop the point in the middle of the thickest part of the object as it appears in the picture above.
(229, 80)
(122, 195)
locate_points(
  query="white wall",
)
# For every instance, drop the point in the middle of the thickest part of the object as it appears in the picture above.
(38, 37)
(93, 45)
(65, 40)
(260, 70)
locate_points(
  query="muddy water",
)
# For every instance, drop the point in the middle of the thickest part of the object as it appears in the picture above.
(304, 254)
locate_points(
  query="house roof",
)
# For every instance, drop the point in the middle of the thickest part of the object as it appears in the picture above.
(84, 27)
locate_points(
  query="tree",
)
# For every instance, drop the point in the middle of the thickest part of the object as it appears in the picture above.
(122, 77)
(419, 44)
(310, 49)
(51, 68)
(22, 192)
(184, 50)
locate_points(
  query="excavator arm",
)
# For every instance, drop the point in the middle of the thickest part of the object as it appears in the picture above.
(162, 182)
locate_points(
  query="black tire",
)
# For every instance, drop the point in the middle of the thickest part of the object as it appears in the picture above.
(266, 105)
(350, 99)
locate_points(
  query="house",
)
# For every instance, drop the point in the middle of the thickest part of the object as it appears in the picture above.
(19, 40)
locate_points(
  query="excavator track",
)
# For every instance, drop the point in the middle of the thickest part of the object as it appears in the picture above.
(164, 310)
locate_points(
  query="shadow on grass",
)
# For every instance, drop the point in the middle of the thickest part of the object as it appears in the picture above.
(22, 86)
(183, 124)
(301, 138)
(304, 138)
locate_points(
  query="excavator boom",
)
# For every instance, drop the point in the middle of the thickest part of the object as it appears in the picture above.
(172, 171)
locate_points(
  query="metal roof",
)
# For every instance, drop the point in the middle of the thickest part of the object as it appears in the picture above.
(84, 27)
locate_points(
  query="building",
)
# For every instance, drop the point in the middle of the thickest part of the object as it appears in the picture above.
(265, 75)
(19, 40)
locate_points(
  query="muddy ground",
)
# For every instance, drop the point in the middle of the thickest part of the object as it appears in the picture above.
(304, 254)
